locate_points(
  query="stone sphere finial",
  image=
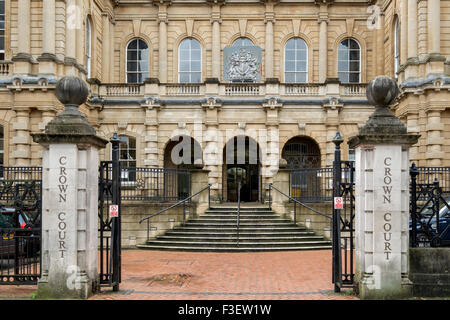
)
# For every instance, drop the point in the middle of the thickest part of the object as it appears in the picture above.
(382, 91)
(71, 90)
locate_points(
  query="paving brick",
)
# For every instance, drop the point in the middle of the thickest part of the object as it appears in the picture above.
(168, 275)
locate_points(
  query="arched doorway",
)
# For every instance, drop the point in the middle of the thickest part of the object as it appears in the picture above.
(182, 153)
(301, 153)
(241, 158)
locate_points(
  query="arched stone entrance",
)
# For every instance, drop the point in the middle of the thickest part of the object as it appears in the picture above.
(181, 153)
(301, 152)
(241, 163)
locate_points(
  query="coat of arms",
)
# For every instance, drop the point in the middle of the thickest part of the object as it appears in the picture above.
(242, 64)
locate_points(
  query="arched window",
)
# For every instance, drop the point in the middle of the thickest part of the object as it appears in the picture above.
(295, 61)
(396, 46)
(137, 61)
(190, 61)
(349, 61)
(88, 47)
(243, 41)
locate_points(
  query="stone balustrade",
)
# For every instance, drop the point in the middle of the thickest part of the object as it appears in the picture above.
(5, 68)
(231, 89)
(358, 89)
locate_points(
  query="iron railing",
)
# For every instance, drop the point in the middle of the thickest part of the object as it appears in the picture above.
(238, 216)
(271, 186)
(20, 225)
(427, 175)
(311, 185)
(154, 184)
(181, 202)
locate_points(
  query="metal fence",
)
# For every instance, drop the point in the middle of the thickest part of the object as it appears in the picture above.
(155, 184)
(427, 175)
(311, 185)
(20, 224)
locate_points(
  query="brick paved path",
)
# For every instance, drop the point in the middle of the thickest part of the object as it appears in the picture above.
(219, 276)
(190, 275)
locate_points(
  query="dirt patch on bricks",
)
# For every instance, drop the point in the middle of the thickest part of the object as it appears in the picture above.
(170, 279)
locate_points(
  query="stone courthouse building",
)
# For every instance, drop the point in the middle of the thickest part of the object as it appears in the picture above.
(284, 75)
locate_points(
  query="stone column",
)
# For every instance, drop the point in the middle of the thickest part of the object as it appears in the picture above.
(380, 45)
(434, 26)
(323, 49)
(270, 141)
(71, 45)
(151, 135)
(211, 150)
(269, 20)
(23, 59)
(21, 139)
(48, 57)
(412, 28)
(413, 127)
(162, 19)
(435, 140)
(106, 53)
(382, 198)
(199, 180)
(332, 109)
(403, 32)
(69, 246)
(216, 52)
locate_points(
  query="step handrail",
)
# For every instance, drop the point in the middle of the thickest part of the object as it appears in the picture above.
(178, 203)
(271, 186)
(183, 201)
(238, 217)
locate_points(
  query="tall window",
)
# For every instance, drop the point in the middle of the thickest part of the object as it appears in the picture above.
(137, 61)
(88, 47)
(127, 158)
(349, 61)
(296, 61)
(243, 41)
(190, 61)
(2, 29)
(396, 47)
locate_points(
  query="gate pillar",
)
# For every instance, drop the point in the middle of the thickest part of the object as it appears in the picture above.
(382, 198)
(69, 249)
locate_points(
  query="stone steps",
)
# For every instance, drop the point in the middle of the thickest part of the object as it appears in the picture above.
(260, 229)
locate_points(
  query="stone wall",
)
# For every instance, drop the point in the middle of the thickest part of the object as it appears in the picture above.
(430, 271)
(311, 220)
(134, 233)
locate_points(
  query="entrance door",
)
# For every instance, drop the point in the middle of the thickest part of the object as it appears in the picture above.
(241, 164)
(247, 175)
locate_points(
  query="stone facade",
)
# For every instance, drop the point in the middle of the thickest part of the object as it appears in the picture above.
(45, 40)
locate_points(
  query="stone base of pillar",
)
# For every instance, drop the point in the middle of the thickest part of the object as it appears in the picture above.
(369, 289)
(23, 63)
(48, 63)
(78, 286)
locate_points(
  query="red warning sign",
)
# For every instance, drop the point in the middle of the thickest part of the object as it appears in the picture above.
(338, 203)
(113, 211)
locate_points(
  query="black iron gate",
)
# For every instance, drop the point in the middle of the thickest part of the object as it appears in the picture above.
(110, 225)
(429, 210)
(20, 225)
(343, 225)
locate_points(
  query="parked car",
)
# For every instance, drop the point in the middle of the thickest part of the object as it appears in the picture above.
(427, 233)
(14, 233)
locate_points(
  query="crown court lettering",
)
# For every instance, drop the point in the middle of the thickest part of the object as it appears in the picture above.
(62, 186)
(387, 190)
